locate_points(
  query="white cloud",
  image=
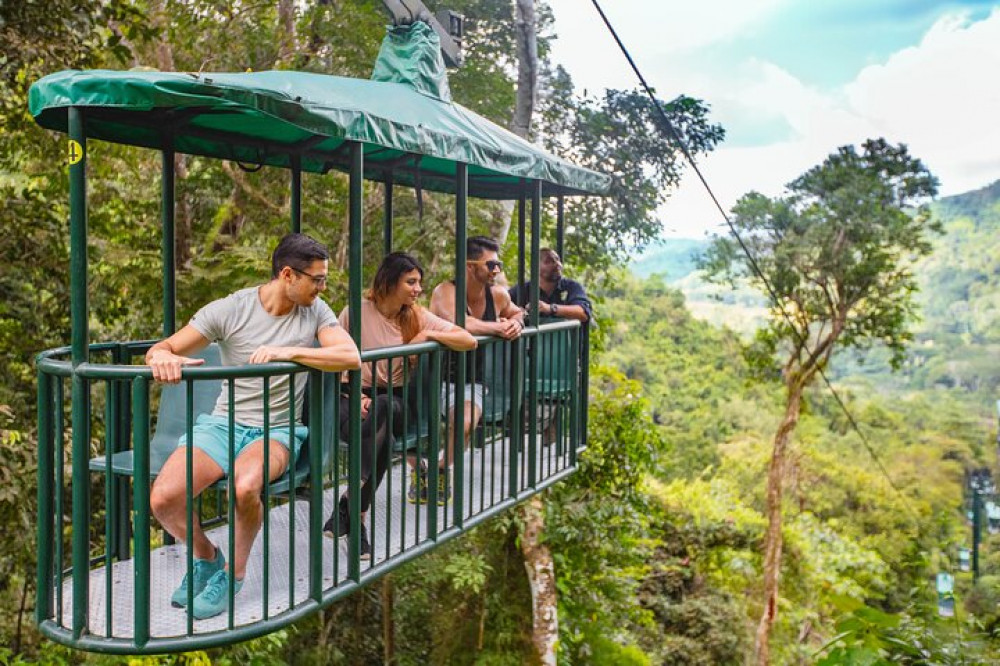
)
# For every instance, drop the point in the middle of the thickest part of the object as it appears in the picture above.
(940, 97)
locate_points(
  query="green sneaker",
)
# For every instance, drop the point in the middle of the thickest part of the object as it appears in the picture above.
(214, 599)
(203, 571)
(416, 493)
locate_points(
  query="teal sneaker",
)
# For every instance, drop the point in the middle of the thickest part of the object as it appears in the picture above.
(203, 571)
(214, 599)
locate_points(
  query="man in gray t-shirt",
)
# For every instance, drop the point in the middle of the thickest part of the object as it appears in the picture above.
(278, 321)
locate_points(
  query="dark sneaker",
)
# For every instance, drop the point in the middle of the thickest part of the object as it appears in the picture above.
(343, 520)
(214, 599)
(416, 493)
(203, 571)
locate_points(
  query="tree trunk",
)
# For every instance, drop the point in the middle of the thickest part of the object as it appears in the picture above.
(542, 579)
(527, 94)
(772, 552)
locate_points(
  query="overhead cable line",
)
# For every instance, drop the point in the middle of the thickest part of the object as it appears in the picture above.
(676, 138)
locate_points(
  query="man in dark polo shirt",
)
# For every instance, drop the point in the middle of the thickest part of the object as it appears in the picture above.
(561, 298)
(557, 296)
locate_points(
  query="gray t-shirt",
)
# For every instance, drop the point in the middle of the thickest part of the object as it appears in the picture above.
(240, 324)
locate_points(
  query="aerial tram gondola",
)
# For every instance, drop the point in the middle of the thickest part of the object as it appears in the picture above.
(103, 578)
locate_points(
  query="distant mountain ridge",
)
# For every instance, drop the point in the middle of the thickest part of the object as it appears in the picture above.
(672, 258)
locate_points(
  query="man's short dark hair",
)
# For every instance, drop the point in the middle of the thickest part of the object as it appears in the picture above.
(297, 251)
(477, 245)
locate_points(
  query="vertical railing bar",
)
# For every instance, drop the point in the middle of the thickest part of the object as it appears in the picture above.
(460, 489)
(60, 490)
(189, 499)
(405, 389)
(419, 475)
(388, 452)
(109, 416)
(317, 430)
(140, 440)
(574, 411)
(435, 432)
(81, 504)
(504, 423)
(266, 561)
(292, 487)
(373, 470)
(335, 475)
(517, 412)
(231, 501)
(46, 489)
(123, 429)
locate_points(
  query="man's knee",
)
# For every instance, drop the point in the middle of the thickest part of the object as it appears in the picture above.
(248, 490)
(163, 502)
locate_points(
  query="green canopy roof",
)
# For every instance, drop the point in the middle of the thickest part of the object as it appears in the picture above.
(264, 117)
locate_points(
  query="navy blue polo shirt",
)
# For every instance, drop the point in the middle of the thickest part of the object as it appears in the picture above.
(566, 292)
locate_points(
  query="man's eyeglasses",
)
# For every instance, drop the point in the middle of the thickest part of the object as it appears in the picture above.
(491, 264)
(318, 280)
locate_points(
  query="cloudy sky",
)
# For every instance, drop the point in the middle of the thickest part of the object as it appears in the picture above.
(791, 80)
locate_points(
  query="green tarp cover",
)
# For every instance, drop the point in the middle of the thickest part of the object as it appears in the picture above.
(262, 117)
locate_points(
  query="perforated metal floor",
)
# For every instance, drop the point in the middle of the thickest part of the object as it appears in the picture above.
(405, 523)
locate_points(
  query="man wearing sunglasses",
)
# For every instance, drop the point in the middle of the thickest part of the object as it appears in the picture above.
(278, 321)
(489, 311)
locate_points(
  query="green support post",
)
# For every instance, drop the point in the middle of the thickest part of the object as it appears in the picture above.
(296, 202)
(80, 395)
(461, 232)
(536, 343)
(168, 238)
(355, 268)
(387, 220)
(140, 440)
(560, 225)
(517, 358)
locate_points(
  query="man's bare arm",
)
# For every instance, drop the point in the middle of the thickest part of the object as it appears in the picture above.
(336, 352)
(443, 305)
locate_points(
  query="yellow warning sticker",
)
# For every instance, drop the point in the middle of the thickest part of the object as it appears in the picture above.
(75, 151)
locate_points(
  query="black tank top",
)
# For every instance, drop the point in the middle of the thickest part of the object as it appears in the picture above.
(476, 359)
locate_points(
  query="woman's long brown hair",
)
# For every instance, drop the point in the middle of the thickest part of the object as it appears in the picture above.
(392, 269)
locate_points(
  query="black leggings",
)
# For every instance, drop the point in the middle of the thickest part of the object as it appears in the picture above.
(376, 440)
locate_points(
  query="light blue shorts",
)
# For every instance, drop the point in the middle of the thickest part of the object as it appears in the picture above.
(211, 435)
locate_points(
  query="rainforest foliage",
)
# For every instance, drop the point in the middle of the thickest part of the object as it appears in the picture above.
(657, 540)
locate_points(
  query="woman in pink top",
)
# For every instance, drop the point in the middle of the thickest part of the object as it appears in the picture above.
(390, 316)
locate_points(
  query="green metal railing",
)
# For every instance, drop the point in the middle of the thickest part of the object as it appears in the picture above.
(105, 576)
